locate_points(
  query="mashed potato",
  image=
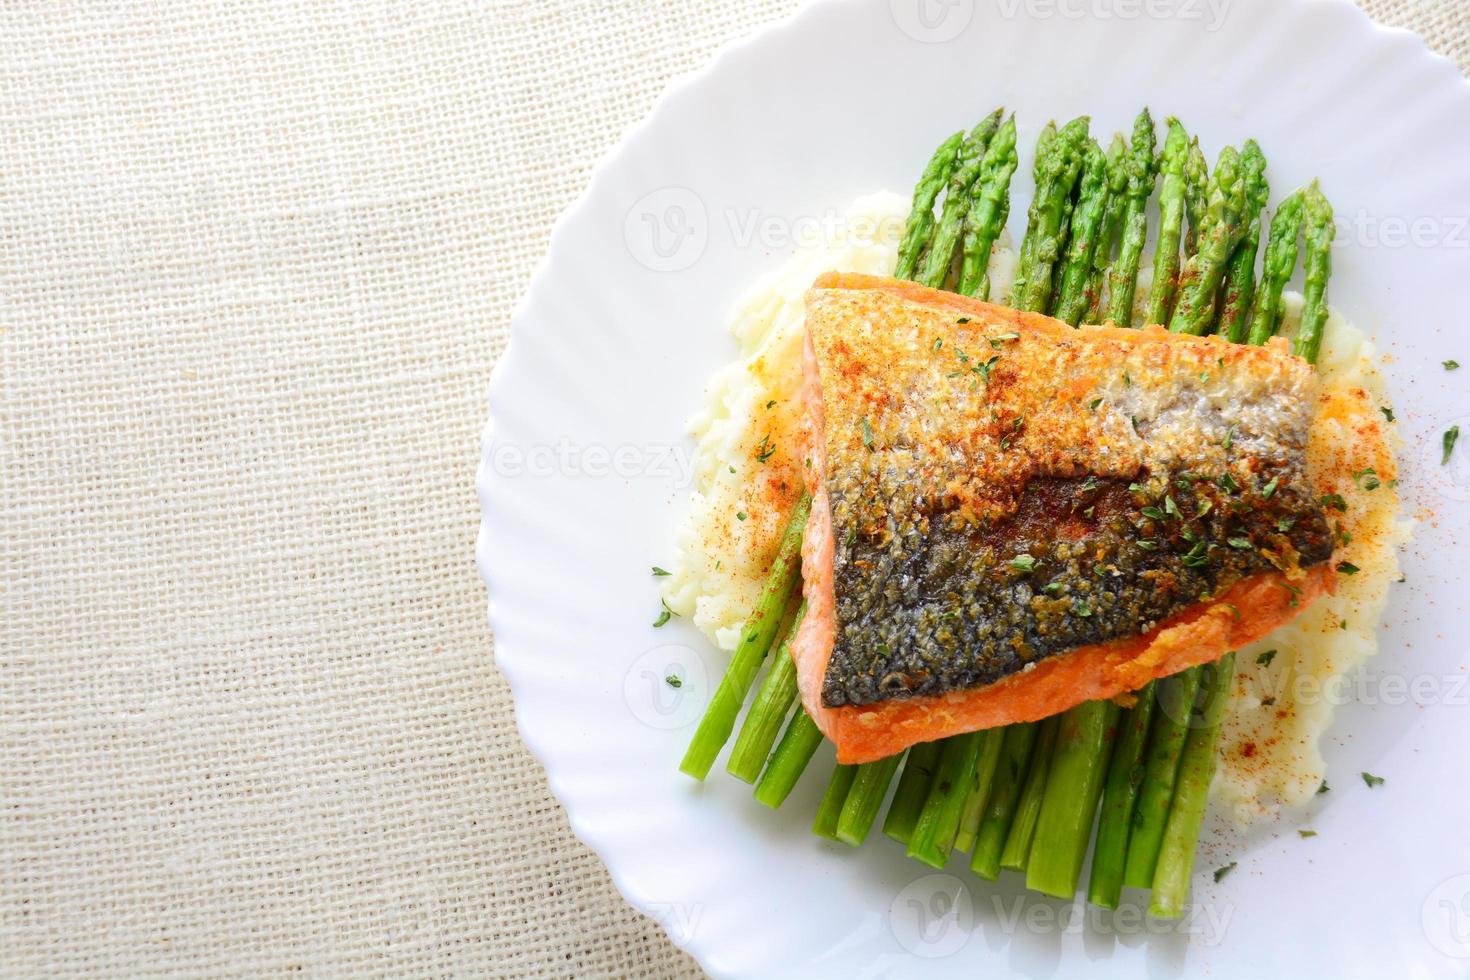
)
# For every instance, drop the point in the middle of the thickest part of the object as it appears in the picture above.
(747, 477)
(1288, 685)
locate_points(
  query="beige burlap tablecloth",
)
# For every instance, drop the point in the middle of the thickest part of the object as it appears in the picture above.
(256, 262)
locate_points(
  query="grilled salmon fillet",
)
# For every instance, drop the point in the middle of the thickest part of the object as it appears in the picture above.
(1011, 516)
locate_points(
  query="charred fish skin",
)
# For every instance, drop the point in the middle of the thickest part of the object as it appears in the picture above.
(1003, 492)
(1081, 563)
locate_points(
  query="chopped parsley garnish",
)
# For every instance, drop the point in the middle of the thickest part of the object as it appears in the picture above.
(1269, 490)
(1241, 544)
(1023, 563)
(1323, 788)
(1372, 780)
(1229, 437)
(1148, 545)
(995, 342)
(1010, 437)
(765, 450)
(1334, 501)
(1092, 405)
(1205, 506)
(1170, 508)
(1153, 513)
(963, 319)
(1451, 365)
(1368, 478)
(1088, 485)
(741, 515)
(1387, 413)
(1304, 834)
(1052, 588)
(1451, 436)
(1227, 482)
(673, 681)
(867, 433)
(771, 404)
(938, 343)
(1081, 608)
(1127, 379)
(1197, 556)
(984, 369)
(664, 616)
(1285, 524)
(1347, 568)
(1264, 659)
(659, 572)
(1135, 488)
(1222, 872)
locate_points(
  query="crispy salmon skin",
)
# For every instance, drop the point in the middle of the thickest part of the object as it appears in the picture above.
(1011, 516)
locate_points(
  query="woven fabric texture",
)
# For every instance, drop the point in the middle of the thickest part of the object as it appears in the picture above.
(256, 262)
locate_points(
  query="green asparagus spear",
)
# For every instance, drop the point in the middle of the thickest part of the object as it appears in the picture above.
(830, 809)
(1221, 228)
(1277, 268)
(1017, 745)
(864, 798)
(939, 821)
(797, 746)
(969, 164)
(974, 807)
(990, 205)
(1045, 144)
(912, 791)
(1320, 232)
(1176, 696)
(920, 223)
(772, 704)
(1142, 168)
(1102, 256)
(1191, 793)
(1172, 190)
(1125, 775)
(1240, 278)
(1073, 299)
(1074, 783)
(1196, 194)
(1028, 805)
(1049, 213)
(755, 642)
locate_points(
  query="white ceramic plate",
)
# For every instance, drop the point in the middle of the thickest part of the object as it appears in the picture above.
(624, 322)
